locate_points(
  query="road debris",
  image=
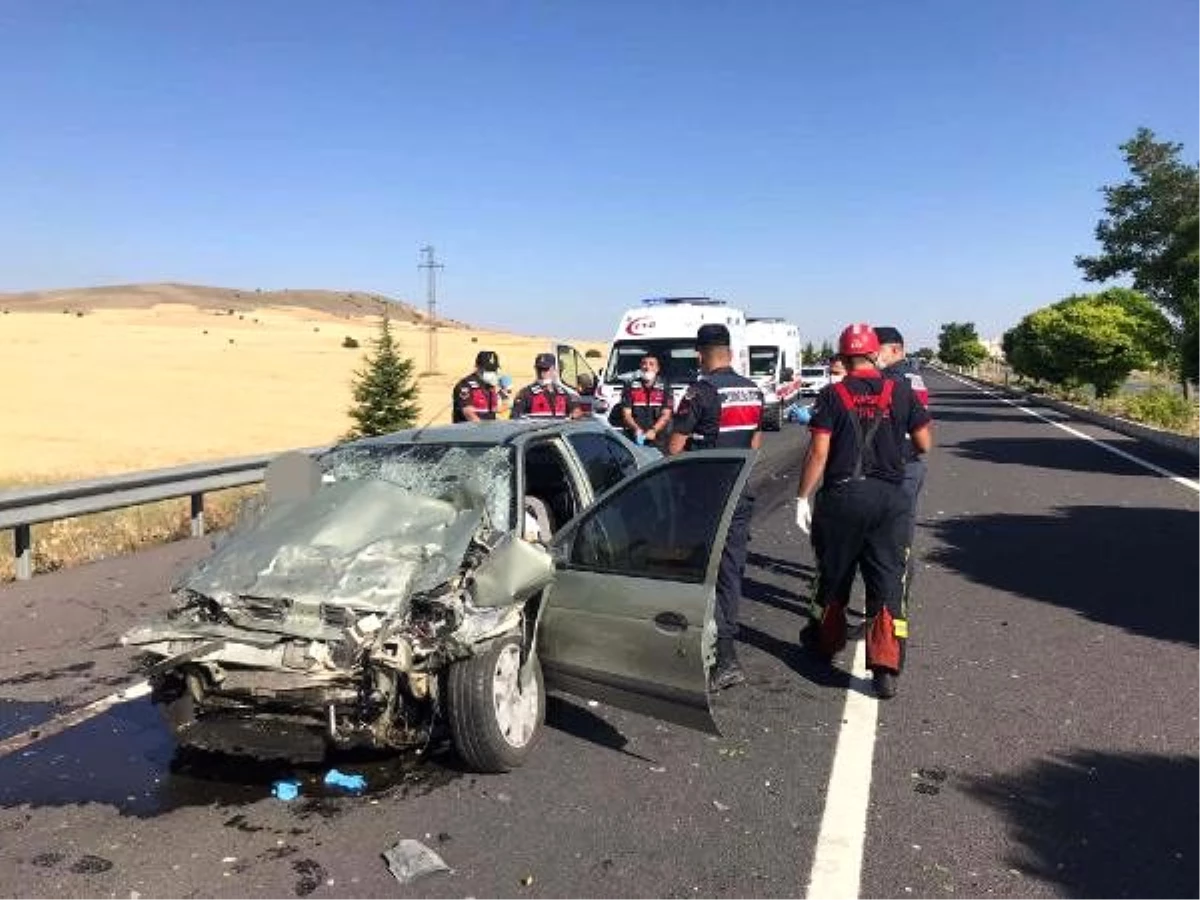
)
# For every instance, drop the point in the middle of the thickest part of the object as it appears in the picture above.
(410, 860)
(286, 789)
(721, 807)
(526, 880)
(354, 783)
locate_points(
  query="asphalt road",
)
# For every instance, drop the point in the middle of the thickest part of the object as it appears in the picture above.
(1044, 742)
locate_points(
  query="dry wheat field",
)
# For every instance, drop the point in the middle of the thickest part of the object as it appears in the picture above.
(107, 380)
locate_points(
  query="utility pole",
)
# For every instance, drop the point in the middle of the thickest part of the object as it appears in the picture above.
(431, 265)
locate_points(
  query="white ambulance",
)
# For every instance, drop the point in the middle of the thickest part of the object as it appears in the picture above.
(774, 365)
(666, 327)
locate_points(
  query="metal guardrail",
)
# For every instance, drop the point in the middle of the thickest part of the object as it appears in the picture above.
(23, 508)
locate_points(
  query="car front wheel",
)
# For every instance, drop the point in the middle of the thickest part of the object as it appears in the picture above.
(495, 719)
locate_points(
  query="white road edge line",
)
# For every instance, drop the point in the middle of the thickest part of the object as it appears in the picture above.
(61, 723)
(1178, 479)
(837, 862)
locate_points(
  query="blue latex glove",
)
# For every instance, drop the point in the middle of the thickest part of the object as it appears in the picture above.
(641, 439)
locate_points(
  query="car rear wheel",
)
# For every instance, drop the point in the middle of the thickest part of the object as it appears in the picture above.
(495, 719)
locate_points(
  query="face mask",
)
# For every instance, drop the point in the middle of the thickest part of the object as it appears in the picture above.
(545, 378)
(649, 377)
(490, 378)
(834, 379)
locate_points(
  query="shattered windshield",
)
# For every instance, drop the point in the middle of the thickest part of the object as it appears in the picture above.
(464, 475)
(389, 520)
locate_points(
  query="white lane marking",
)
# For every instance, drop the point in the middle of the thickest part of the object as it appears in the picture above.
(59, 724)
(837, 863)
(1178, 479)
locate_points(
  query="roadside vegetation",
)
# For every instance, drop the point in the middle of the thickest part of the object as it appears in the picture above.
(1125, 351)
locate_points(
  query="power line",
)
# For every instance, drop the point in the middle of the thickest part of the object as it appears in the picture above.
(431, 266)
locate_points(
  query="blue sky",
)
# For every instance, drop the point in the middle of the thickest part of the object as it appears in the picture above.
(908, 163)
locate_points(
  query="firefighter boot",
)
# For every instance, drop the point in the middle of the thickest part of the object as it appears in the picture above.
(728, 671)
(885, 652)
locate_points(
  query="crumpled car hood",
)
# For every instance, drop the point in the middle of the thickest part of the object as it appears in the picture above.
(364, 543)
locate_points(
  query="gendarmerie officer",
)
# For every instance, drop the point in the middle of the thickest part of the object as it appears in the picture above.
(547, 397)
(476, 396)
(722, 410)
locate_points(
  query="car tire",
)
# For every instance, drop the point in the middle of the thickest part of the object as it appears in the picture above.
(772, 418)
(494, 721)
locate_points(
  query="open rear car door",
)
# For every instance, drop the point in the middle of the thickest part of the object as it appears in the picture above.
(629, 617)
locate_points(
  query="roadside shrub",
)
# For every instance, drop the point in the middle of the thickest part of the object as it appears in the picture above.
(349, 343)
(1160, 407)
(592, 354)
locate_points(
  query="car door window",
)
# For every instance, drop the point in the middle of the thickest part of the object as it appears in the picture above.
(599, 455)
(547, 479)
(621, 455)
(662, 526)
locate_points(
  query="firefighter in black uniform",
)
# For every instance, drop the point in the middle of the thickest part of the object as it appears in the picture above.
(860, 520)
(645, 404)
(546, 398)
(476, 396)
(722, 410)
(894, 363)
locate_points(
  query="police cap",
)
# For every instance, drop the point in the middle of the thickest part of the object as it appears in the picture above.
(712, 336)
(487, 360)
(544, 361)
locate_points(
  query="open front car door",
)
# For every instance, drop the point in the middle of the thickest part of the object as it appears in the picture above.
(629, 617)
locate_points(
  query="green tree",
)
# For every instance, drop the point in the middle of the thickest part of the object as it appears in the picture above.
(959, 345)
(385, 393)
(808, 355)
(826, 352)
(925, 354)
(1149, 232)
(1095, 339)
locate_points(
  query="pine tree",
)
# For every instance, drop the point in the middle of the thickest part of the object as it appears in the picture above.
(385, 392)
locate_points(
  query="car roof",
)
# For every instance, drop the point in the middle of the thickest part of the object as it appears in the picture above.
(485, 433)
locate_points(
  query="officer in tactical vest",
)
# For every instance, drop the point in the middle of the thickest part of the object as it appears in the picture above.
(546, 398)
(476, 397)
(722, 409)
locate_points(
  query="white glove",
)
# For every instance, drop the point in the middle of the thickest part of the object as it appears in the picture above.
(804, 515)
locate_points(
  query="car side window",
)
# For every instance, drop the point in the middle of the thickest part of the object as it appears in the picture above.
(663, 525)
(621, 455)
(598, 453)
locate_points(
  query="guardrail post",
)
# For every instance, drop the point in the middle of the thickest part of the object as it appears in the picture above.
(23, 551)
(198, 515)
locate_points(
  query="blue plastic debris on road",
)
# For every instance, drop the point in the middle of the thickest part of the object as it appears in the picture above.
(286, 790)
(353, 783)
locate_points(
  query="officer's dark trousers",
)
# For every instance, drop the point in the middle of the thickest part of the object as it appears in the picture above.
(862, 525)
(733, 564)
(914, 480)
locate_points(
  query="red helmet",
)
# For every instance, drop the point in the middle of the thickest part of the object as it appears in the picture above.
(858, 340)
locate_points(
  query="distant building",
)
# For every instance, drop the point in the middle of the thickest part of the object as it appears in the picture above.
(995, 351)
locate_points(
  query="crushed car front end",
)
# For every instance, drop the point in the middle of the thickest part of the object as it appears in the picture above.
(332, 618)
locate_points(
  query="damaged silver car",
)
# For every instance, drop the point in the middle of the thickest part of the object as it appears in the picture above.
(439, 580)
